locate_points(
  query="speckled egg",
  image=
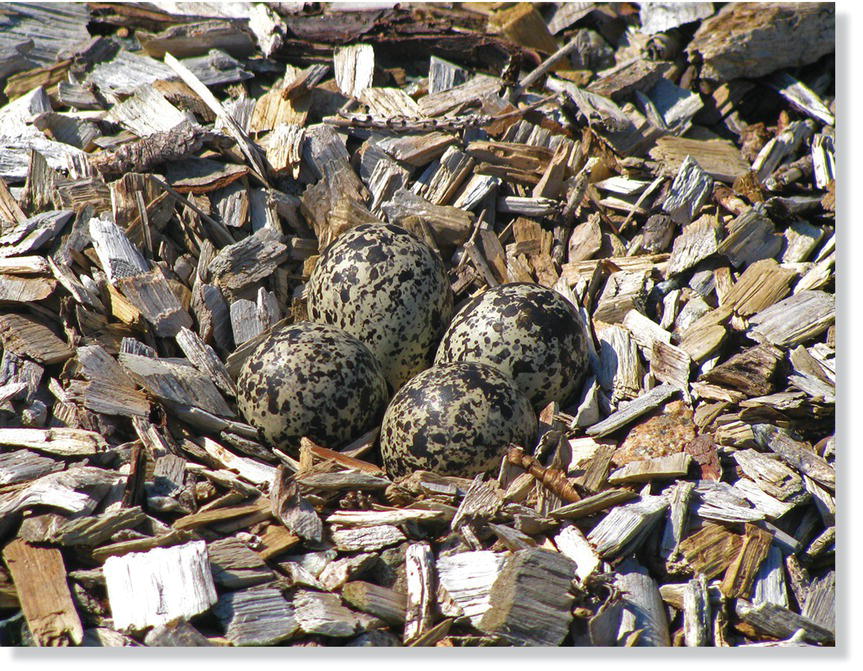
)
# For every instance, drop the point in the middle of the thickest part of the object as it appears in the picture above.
(311, 380)
(528, 331)
(387, 288)
(455, 419)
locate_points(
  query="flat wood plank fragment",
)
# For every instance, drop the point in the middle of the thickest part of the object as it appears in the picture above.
(256, 617)
(644, 610)
(632, 410)
(152, 588)
(743, 41)
(28, 337)
(40, 581)
(529, 602)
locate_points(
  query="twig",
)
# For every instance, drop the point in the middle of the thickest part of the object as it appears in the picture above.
(551, 478)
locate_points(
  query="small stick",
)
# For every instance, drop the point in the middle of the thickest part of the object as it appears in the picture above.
(552, 479)
(531, 77)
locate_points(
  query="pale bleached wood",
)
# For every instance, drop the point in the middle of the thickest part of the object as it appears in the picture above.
(420, 584)
(572, 543)
(59, 441)
(353, 67)
(152, 588)
(627, 526)
(468, 577)
(366, 538)
(323, 614)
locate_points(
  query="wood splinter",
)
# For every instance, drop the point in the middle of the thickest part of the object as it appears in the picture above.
(551, 478)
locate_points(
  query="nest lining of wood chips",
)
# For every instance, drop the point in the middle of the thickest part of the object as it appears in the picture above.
(168, 182)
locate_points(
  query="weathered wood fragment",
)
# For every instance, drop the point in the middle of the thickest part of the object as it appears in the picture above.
(40, 581)
(152, 588)
(256, 616)
(519, 600)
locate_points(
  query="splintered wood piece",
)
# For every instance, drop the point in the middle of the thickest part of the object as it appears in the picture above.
(147, 111)
(697, 241)
(529, 602)
(249, 149)
(248, 469)
(741, 41)
(91, 531)
(592, 504)
(644, 611)
(476, 88)
(796, 454)
(737, 581)
(235, 565)
(152, 588)
(370, 518)
(572, 543)
(658, 468)
(366, 538)
(249, 260)
(292, 509)
(619, 370)
(626, 527)
(324, 614)
(421, 589)
(23, 466)
(60, 441)
(794, 320)
(697, 617)
(780, 622)
(176, 383)
(450, 225)
(771, 475)
(689, 191)
(256, 617)
(670, 364)
(769, 585)
(260, 508)
(343, 480)
(633, 410)
(338, 572)
(354, 67)
(40, 582)
(761, 285)
(720, 159)
(752, 371)
(625, 290)
(751, 237)
(711, 549)
(27, 337)
(468, 577)
(383, 602)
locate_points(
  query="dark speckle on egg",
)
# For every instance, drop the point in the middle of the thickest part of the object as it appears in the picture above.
(529, 332)
(389, 289)
(311, 380)
(455, 419)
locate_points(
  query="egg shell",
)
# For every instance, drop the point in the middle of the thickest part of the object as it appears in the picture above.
(311, 380)
(530, 332)
(455, 419)
(389, 289)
